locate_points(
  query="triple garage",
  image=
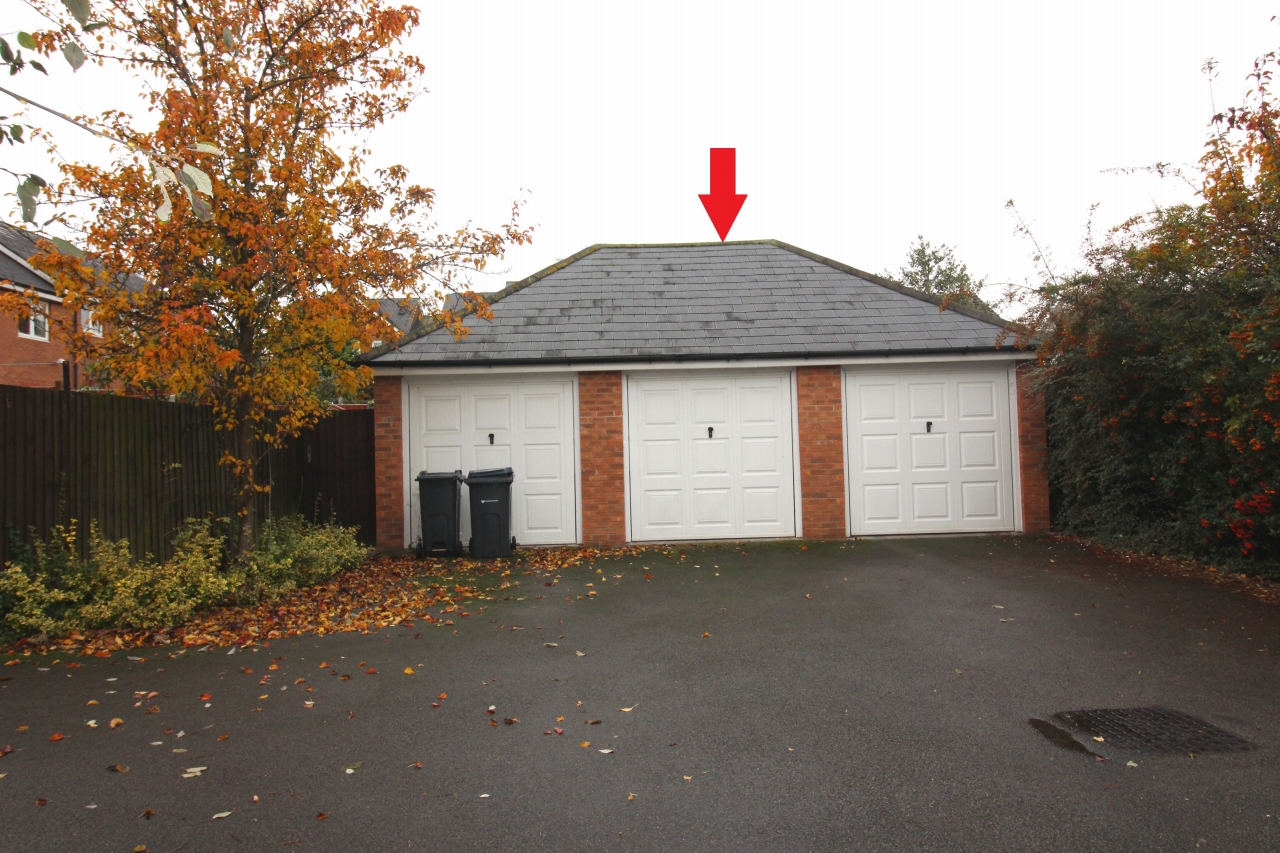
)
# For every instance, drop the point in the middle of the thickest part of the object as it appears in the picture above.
(649, 393)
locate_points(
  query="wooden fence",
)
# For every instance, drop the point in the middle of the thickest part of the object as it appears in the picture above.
(140, 467)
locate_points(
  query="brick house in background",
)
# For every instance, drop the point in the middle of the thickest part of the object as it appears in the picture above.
(30, 353)
(716, 391)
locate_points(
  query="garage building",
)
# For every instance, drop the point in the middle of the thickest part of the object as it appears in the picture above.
(716, 391)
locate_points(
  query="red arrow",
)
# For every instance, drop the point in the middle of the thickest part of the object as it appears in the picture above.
(723, 202)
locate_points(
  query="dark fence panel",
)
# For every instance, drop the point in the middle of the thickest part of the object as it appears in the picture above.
(140, 467)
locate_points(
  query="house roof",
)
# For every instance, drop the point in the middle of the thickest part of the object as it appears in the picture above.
(692, 301)
(16, 246)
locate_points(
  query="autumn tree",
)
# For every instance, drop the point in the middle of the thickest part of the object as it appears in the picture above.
(265, 276)
(936, 270)
(1161, 361)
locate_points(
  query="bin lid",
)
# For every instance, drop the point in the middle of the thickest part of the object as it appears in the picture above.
(490, 472)
(452, 475)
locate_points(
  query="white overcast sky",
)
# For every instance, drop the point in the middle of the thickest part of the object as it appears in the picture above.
(858, 126)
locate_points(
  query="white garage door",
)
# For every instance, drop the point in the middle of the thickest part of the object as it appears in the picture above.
(929, 451)
(710, 457)
(528, 426)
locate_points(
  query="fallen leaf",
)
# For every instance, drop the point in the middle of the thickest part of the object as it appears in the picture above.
(493, 722)
(510, 721)
(959, 672)
(593, 722)
(443, 696)
(1100, 739)
(417, 765)
(147, 814)
(119, 768)
(448, 621)
(223, 737)
(92, 702)
(345, 678)
(205, 697)
(178, 751)
(310, 703)
(93, 724)
(559, 719)
(484, 796)
(322, 815)
(688, 778)
(116, 723)
(263, 696)
(274, 666)
(352, 768)
(435, 704)
(246, 670)
(551, 645)
(41, 801)
(22, 728)
(6, 749)
(408, 670)
(606, 751)
(56, 736)
(806, 595)
(373, 670)
(998, 606)
(585, 744)
(1131, 764)
(629, 710)
(492, 709)
(221, 815)
(324, 665)
(581, 654)
(706, 633)
(630, 796)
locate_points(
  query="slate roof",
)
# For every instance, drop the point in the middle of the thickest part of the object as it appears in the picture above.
(685, 302)
(17, 241)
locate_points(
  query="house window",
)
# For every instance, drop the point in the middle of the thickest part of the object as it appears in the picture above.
(36, 325)
(89, 324)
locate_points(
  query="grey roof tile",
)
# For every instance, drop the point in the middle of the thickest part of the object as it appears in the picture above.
(699, 301)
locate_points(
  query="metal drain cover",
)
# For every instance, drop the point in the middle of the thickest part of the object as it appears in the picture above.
(1151, 731)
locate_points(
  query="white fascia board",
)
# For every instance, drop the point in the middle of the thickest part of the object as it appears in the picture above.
(47, 297)
(716, 364)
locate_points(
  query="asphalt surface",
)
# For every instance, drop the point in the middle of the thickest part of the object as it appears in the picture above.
(863, 696)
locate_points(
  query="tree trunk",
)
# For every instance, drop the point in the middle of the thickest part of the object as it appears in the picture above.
(246, 494)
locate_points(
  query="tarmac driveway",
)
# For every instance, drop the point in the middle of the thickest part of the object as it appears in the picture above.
(868, 696)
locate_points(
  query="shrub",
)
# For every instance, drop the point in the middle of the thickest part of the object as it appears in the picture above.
(290, 552)
(50, 590)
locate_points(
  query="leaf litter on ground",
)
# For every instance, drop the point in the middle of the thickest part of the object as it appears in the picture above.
(380, 593)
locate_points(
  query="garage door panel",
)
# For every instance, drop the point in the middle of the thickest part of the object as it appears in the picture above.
(976, 399)
(543, 512)
(443, 459)
(542, 411)
(712, 508)
(662, 458)
(709, 405)
(762, 506)
(442, 414)
(879, 453)
(980, 500)
(760, 456)
(493, 411)
(927, 400)
(931, 501)
(665, 509)
(977, 450)
(881, 504)
(878, 403)
(687, 482)
(953, 427)
(543, 462)
(492, 456)
(465, 425)
(928, 451)
(661, 408)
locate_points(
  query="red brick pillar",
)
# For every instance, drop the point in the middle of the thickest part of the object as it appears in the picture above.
(821, 419)
(600, 448)
(388, 462)
(1033, 444)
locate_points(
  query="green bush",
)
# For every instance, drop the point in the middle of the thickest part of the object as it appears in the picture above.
(290, 552)
(48, 589)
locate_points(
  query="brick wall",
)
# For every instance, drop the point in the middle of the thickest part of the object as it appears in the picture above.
(818, 393)
(388, 462)
(1032, 446)
(600, 449)
(30, 362)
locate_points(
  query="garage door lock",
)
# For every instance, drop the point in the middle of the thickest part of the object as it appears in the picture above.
(928, 427)
(710, 431)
